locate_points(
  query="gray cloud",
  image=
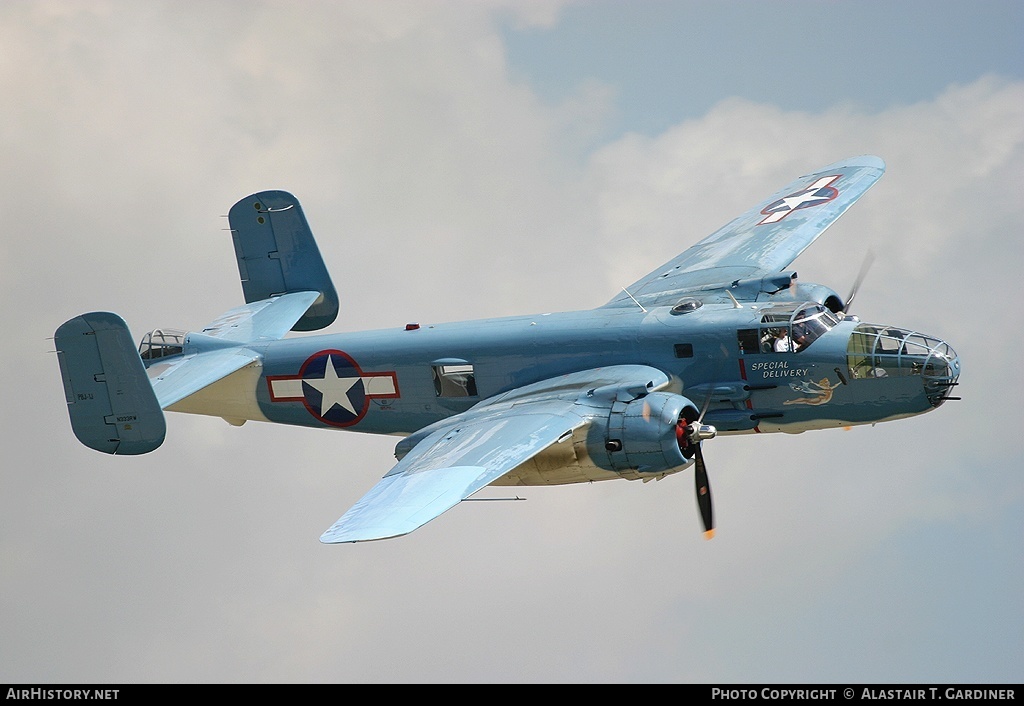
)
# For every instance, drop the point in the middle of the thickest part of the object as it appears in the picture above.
(440, 189)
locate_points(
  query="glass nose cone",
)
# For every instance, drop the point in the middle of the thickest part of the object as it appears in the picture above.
(887, 351)
(940, 373)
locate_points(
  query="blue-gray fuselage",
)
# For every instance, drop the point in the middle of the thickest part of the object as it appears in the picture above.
(724, 359)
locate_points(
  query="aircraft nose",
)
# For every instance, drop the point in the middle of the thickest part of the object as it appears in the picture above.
(940, 372)
(887, 351)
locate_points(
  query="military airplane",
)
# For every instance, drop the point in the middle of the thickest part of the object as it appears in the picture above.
(722, 339)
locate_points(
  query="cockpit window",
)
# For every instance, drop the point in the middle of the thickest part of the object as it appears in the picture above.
(791, 327)
(810, 322)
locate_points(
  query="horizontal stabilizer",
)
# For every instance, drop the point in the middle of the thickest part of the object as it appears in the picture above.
(266, 320)
(183, 376)
(277, 254)
(110, 400)
(210, 354)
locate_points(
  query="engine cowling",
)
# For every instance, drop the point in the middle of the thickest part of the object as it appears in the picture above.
(642, 435)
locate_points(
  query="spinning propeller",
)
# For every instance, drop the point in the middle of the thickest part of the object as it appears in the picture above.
(869, 260)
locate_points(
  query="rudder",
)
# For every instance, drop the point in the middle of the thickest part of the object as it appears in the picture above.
(277, 254)
(111, 402)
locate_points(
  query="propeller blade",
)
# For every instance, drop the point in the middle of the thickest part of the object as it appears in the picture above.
(703, 486)
(704, 409)
(869, 260)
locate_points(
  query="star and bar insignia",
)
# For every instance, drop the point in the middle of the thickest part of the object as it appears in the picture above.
(333, 387)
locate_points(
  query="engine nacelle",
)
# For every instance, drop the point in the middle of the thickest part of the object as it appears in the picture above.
(641, 435)
(821, 294)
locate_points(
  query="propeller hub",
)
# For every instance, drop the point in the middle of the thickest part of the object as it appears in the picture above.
(704, 431)
(696, 433)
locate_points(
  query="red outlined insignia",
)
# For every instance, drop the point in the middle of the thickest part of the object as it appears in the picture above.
(333, 387)
(821, 191)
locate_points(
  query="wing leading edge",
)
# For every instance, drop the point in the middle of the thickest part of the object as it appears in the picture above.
(765, 239)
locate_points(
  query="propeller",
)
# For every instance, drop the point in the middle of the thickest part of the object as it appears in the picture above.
(703, 488)
(690, 434)
(869, 259)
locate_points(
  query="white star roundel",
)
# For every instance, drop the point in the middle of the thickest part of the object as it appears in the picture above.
(821, 191)
(333, 388)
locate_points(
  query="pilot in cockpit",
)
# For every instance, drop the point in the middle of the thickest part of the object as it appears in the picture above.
(800, 338)
(782, 343)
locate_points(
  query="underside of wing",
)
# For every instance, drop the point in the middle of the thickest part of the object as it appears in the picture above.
(762, 241)
(451, 460)
(448, 466)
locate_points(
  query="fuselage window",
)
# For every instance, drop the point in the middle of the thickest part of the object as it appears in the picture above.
(750, 342)
(454, 380)
(684, 350)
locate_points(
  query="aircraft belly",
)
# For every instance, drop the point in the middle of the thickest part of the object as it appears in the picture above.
(798, 427)
(232, 397)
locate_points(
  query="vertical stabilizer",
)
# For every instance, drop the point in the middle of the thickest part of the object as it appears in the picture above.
(110, 400)
(277, 255)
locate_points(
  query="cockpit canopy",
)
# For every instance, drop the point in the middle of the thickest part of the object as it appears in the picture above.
(788, 327)
(162, 343)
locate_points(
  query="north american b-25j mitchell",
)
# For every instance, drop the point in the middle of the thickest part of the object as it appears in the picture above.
(722, 339)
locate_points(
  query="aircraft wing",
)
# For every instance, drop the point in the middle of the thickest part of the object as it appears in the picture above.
(765, 239)
(217, 353)
(455, 458)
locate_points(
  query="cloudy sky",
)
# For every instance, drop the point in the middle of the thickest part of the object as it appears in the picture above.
(469, 159)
